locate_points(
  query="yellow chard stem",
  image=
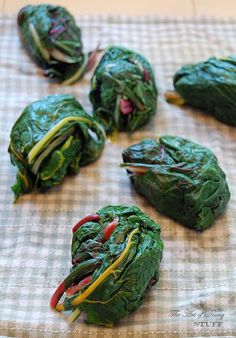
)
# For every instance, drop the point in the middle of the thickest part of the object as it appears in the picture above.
(77, 75)
(24, 178)
(44, 52)
(80, 298)
(174, 98)
(17, 155)
(75, 314)
(38, 146)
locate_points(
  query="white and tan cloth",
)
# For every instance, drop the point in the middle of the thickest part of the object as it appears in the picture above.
(196, 293)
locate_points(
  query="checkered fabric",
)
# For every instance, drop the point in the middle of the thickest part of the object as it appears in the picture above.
(198, 280)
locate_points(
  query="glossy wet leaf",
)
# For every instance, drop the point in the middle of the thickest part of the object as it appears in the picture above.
(52, 137)
(180, 179)
(123, 91)
(122, 266)
(53, 40)
(211, 86)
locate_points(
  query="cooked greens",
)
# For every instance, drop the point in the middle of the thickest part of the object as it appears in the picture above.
(180, 178)
(116, 255)
(52, 137)
(123, 91)
(53, 40)
(209, 85)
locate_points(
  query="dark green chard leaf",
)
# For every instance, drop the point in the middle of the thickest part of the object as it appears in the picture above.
(209, 85)
(116, 254)
(180, 179)
(123, 90)
(53, 40)
(52, 137)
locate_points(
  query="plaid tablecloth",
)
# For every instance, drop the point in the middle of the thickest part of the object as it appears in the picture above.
(196, 293)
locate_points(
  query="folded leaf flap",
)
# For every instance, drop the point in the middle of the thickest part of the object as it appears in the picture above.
(119, 284)
(52, 137)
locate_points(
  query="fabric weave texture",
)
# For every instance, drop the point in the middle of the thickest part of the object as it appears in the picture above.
(198, 270)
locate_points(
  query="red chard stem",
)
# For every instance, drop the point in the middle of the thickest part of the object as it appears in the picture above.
(108, 230)
(126, 106)
(85, 220)
(57, 295)
(146, 75)
(76, 288)
(92, 58)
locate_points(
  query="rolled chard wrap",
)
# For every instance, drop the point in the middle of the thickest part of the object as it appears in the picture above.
(116, 255)
(123, 90)
(209, 85)
(53, 40)
(179, 178)
(52, 137)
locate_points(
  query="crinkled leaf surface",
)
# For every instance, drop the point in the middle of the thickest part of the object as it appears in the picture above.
(52, 137)
(210, 85)
(124, 288)
(180, 178)
(52, 38)
(123, 90)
